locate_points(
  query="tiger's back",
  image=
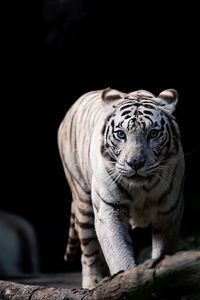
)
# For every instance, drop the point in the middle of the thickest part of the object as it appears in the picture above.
(123, 160)
(74, 141)
(75, 133)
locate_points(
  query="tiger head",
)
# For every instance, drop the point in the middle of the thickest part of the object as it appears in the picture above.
(140, 132)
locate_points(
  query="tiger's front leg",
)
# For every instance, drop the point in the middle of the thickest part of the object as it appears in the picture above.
(165, 235)
(111, 226)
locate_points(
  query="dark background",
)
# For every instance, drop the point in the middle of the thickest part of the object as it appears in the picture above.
(57, 51)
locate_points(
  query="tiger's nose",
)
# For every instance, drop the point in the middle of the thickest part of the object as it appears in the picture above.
(136, 164)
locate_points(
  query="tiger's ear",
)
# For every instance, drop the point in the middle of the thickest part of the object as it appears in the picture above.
(168, 100)
(110, 98)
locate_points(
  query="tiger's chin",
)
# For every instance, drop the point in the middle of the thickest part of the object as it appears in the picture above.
(137, 178)
(141, 180)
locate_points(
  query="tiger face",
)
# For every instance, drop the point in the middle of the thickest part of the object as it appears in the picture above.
(140, 133)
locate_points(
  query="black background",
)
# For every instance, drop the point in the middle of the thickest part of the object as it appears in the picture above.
(56, 51)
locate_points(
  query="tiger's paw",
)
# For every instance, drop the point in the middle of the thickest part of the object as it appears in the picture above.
(90, 282)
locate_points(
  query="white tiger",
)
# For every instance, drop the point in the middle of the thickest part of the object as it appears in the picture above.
(123, 160)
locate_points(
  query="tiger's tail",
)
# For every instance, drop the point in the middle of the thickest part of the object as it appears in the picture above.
(73, 240)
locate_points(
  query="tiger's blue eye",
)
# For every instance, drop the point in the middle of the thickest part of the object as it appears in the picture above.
(120, 134)
(153, 133)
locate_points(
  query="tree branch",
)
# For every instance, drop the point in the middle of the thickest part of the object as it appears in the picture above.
(174, 276)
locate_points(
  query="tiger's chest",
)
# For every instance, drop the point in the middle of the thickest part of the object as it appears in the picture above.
(143, 206)
(142, 212)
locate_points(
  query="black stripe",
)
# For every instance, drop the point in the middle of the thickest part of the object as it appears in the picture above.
(174, 206)
(174, 129)
(96, 252)
(85, 212)
(168, 143)
(171, 225)
(158, 137)
(86, 241)
(72, 215)
(147, 117)
(168, 131)
(114, 205)
(155, 153)
(107, 203)
(124, 191)
(72, 241)
(87, 192)
(127, 106)
(176, 144)
(83, 200)
(107, 131)
(142, 125)
(112, 143)
(163, 142)
(148, 112)
(170, 186)
(103, 129)
(149, 188)
(126, 112)
(127, 117)
(113, 124)
(90, 263)
(120, 125)
(162, 122)
(108, 126)
(84, 225)
(148, 106)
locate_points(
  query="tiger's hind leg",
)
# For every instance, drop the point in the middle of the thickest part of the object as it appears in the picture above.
(94, 267)
(73, 240)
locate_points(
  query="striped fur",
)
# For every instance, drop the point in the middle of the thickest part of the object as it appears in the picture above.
(124, 163)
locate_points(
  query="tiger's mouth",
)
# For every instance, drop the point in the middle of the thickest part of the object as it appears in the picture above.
(137, 175)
